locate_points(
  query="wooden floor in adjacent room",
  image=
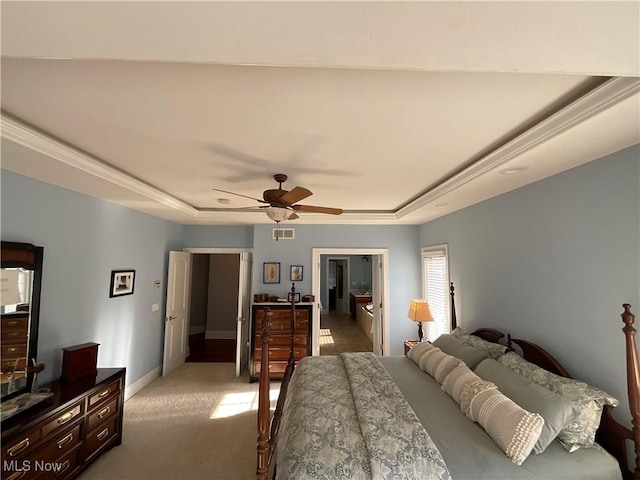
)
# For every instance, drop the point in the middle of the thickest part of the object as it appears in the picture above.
(211, 350)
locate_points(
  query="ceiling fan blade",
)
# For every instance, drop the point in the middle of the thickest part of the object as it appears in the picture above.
(314, 209)
(239, 195)
(295, 195)
(293, 216)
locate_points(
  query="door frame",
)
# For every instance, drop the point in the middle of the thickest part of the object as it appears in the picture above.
(223, 250)
(316, 288)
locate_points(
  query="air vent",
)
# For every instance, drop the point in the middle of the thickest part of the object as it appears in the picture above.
(284, 233)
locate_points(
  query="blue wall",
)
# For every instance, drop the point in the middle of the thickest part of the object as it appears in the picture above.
(552, 262)
(218, 236)
(84, 239)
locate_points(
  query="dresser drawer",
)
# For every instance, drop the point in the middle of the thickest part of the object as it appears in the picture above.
(112, 389)
(281, 353)
(284, 326)
(22, 446)
(102, 413)
(13, 350)
(62, 420)
(283, 341)
(274, 367)
(13, 324)
(61, 445)
(62, 467)
(13, 336)
(101, 436)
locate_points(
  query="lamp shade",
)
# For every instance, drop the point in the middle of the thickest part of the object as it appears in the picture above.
(419, 311)
(278, 214)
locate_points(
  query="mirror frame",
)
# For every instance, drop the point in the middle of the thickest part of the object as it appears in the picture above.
(30, 257)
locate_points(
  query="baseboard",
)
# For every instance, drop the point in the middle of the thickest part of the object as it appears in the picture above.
(194, 330)
(220, 334)
(139, 384)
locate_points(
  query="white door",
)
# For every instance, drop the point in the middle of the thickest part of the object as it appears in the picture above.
(377, 297)
(176, 324)
(244, 313)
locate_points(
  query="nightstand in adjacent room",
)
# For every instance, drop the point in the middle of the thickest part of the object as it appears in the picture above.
(408, 344)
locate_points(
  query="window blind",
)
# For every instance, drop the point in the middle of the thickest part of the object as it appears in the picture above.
(436, 291)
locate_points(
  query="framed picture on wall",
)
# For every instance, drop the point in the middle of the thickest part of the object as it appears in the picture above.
(122, 282)
(271, 272)
(296, 273)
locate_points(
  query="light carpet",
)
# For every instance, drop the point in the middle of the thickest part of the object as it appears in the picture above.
(199, 422)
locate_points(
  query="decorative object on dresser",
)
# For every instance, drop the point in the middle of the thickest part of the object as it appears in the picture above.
(21, 276)
(79, 361)
(290, 332)
(419, 312)
(62, 435)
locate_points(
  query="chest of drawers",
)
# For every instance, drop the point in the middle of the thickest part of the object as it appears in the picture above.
(59, 437)
(279, 346)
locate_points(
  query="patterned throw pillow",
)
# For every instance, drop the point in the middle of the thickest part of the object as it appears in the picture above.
(457, 379)
(581, 432)
(513, 428)
(495, 350)
(440, 364)
(418, 349)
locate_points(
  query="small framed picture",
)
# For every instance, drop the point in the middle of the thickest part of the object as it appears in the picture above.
(294, 299)
(271, 272)
(296, 273)
(122, 282)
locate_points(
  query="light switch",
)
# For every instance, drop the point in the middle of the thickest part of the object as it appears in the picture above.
(155, 307)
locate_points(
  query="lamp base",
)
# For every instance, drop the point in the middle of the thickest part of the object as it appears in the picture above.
(420, 331)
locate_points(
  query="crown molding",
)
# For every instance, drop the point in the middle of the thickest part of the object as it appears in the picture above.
(599, 99)
(27, 136)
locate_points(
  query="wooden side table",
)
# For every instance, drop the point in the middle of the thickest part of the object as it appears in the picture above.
(408, 344)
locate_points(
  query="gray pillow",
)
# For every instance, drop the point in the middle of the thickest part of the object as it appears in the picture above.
(556, 410)
(495, 349)
(470, 355)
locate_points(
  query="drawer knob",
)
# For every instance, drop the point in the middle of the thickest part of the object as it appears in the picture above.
(104, 393)
(104, 412)
(16, 449)
(65, 418)
(65, 441)
(103, 434)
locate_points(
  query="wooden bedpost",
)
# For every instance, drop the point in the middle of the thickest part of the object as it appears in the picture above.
(264, 405)
(633, 380)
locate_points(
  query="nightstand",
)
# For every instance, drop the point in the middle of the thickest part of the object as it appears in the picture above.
(408, 344)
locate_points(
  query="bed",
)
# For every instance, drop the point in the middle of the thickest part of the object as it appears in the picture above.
(330, 420)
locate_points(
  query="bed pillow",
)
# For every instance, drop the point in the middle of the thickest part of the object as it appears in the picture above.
(580, 432)
(457, 379)
(495, 349)
(439, 364)
(556, 410)
(457, 347)
(417, 350)
(514, 429)
(422, 360)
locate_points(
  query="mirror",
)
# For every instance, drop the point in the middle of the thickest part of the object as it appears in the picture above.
(20, 281)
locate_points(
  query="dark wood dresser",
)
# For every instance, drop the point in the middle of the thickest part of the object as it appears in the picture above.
(280, 334)
(63, 434)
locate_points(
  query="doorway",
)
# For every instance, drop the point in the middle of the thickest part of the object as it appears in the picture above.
(379, 261)
(337, 284)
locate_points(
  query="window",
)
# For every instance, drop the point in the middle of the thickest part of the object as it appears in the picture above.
(435, 288)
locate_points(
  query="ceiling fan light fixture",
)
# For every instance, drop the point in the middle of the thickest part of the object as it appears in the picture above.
(278, 214)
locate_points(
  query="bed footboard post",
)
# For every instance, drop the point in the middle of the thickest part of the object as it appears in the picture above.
(452, 295)
(633, 380)
(264, 405)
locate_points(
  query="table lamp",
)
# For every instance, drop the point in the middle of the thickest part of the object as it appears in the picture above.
(419, 312)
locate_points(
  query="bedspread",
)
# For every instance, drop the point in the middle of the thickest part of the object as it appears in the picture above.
(345, 418)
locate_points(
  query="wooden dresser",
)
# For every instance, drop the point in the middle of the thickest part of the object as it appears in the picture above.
(62, 435)
(280, 334)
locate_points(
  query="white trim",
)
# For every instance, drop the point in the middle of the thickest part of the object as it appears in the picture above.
(216, 250)
(601, 98)
(220, 334)
(196, 329)
(315, 289)
(139, 384)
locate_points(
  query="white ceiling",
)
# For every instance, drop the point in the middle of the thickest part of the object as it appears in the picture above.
(396, 112)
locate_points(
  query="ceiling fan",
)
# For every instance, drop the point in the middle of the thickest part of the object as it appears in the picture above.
(281, 204)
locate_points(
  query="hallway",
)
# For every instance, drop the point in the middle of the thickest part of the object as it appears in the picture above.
(339, 333)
